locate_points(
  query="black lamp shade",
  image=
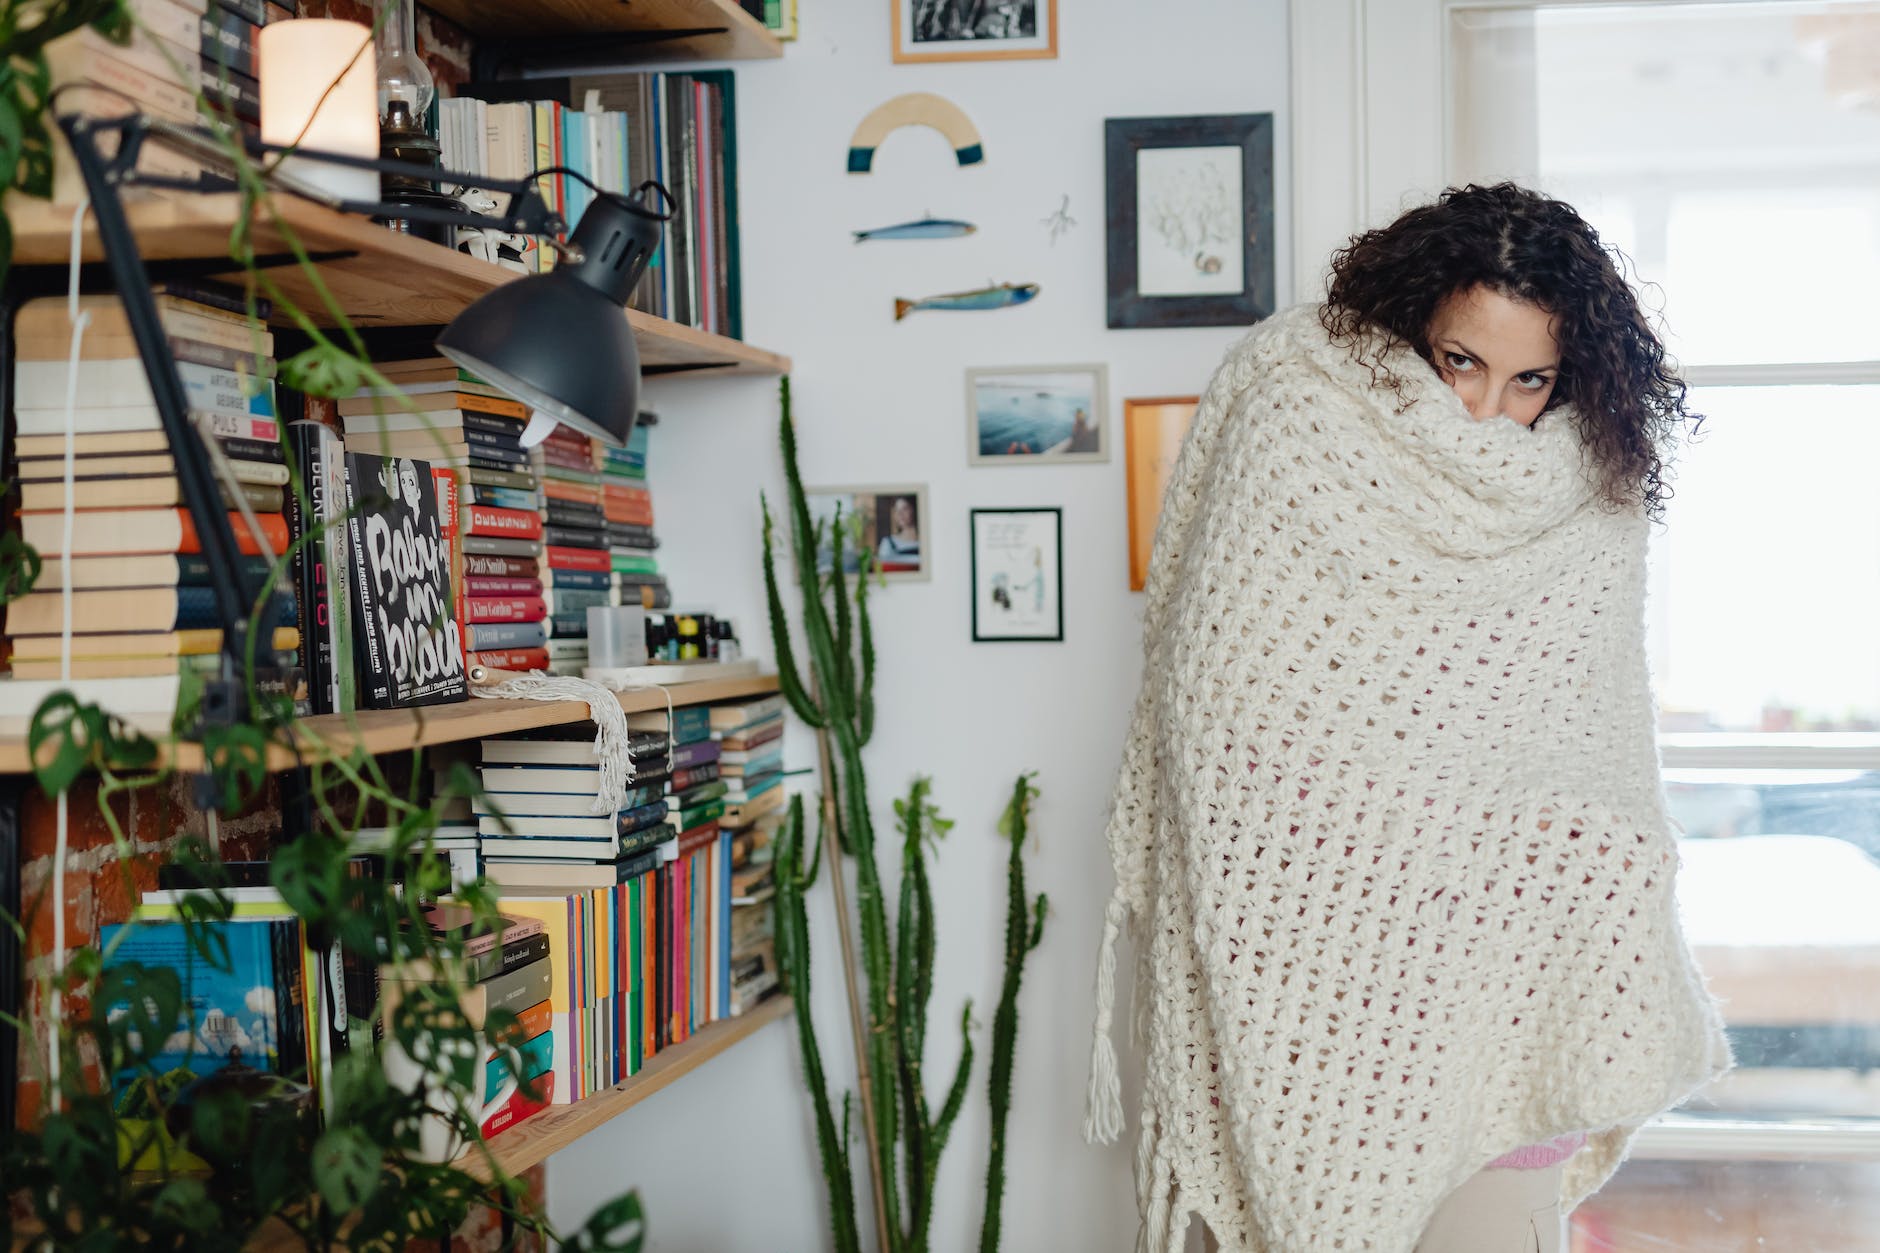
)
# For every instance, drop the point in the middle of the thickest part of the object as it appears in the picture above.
(559, 342)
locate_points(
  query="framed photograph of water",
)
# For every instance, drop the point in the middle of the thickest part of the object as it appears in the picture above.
(1189, 220)
(984, 30)
(1031, 415)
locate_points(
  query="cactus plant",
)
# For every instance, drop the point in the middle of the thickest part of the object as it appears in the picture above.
(889, 973)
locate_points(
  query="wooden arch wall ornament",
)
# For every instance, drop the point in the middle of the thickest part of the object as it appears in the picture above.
(917, 108)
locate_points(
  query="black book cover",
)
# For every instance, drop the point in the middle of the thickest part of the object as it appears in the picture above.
(575, 513)
(251, 449)
(574, 536)
(410, 647)
(494, 423)
(312, 577)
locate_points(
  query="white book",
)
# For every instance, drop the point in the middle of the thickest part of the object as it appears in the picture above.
(148, 701)
(540, 753)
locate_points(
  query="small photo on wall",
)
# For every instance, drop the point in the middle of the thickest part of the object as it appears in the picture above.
(1018, 574)
(974, 30)
(888, 521)
(1033, 415)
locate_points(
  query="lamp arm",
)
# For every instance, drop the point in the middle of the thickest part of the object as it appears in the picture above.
(224, 699)
(528, 214)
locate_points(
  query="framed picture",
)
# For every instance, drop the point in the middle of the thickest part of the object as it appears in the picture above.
(1046, 414)
(1018, 574)
(1189, 219)
(974, 30)
(889, 521)
(1153, 431)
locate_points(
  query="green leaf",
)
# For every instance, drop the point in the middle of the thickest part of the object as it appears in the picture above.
(310, 874)
(325, 370)
(151, 1001)
(616, 1227)
(70, 729)
(219, 1124)
(185, 1203)
(346, 1167)
(238, 758)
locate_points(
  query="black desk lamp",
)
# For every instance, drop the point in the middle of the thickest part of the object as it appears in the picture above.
(559, 342)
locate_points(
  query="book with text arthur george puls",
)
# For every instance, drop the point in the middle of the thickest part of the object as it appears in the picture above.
(409, 642)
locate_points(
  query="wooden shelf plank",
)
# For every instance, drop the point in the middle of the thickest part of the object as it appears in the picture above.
(707, 30)
(535, 1139)
(379, 277)
(395, 730)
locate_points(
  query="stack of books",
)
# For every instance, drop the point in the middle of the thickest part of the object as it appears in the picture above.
(628, 503)
(510, 968)
(749, 736)
(536, 821)
(156, 73)
(230, 70)
(629, 519)
(141, 607)
(575, 532)
(750, 739)
(446, 416)
(754, 973)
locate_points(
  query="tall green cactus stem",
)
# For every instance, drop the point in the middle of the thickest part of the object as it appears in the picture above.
(837, 691)
(1024, 927)
(890, 983)
(792, 882)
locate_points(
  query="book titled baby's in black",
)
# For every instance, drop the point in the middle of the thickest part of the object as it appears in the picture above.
(409, 643)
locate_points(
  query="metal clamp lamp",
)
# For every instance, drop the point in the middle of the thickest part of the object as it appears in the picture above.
(559, 342)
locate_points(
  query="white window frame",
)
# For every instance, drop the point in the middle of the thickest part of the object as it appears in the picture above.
(1370, 105)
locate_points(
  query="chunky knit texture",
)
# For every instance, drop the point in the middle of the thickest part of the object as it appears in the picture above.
(1389, 831)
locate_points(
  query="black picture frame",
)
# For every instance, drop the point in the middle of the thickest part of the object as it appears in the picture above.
(983, 634)
(1124, 140)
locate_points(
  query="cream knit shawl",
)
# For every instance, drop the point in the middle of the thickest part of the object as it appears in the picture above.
(1389, 830)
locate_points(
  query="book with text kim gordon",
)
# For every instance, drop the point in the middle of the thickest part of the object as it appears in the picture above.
(409, 643)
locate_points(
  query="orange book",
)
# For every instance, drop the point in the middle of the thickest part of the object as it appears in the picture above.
(558, 489)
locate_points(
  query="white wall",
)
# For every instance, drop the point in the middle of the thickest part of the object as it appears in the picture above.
(726, 1159)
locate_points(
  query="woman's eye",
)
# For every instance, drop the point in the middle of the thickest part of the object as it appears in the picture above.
(1532, 382)
(1457, 361)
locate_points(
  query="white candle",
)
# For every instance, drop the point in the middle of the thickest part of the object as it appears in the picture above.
(299, 60)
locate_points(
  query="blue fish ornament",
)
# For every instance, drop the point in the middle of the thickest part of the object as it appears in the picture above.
(926, 228)
(1003, 296)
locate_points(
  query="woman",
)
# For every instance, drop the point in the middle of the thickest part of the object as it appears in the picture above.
(1389, 829)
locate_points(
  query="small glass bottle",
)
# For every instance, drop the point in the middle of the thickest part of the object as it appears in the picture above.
(727, 641)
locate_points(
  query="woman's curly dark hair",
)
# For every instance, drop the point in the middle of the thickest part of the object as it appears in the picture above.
(1613, 371)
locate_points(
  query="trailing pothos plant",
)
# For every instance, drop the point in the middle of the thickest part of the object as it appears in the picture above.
(904, 1131)
(120, 1153)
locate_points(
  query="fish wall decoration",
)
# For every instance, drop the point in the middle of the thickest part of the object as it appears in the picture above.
(925, 228)
(1001, 296)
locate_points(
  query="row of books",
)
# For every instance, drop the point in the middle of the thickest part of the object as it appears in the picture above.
(176, 49)
(277, 1007)
(619, 130)
(681, 863)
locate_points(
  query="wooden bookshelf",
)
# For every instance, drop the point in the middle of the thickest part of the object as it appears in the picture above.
(395, 730)
(697, 30)
(535, 1139)
(378, 277)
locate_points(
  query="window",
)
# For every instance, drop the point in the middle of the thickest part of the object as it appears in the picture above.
(1732, 152)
